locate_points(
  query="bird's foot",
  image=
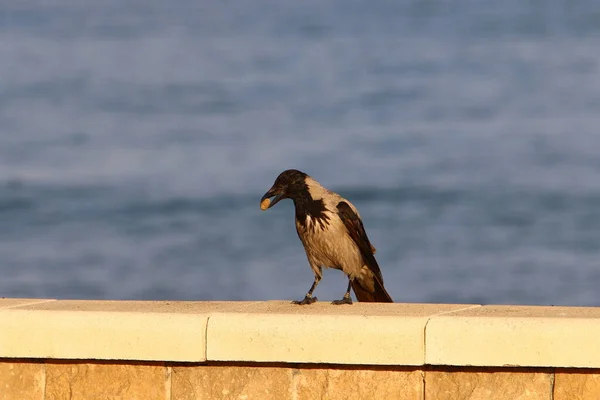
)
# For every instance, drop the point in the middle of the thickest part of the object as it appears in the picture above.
(345, 300)
(306, 300)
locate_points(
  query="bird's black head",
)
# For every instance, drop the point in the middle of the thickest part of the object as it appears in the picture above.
(290, 184)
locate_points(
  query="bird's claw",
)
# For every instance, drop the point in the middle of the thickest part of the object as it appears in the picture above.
(345, 300)
(306, 300)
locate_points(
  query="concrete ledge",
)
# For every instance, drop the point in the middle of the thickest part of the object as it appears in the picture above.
(516, 336)
(276, 331)
(371, 334)
(105, 330)
(260, 350)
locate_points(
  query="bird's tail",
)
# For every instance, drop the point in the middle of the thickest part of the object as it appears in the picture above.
(378, 295)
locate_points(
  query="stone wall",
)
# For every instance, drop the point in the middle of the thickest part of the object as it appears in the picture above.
(273, 350)
(84, 379)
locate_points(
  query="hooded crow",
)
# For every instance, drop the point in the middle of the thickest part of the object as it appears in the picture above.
(333, 236)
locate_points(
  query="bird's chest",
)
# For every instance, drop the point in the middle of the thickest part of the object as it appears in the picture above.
(322, 238)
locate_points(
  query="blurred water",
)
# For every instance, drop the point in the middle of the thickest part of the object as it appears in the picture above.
(137, 137)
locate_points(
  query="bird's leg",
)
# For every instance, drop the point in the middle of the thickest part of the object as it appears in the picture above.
(309, 299)
(346, 299)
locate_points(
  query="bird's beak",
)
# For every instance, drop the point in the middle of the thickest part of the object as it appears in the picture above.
(265, 202)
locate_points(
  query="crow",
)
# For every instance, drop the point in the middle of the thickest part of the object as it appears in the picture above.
(333, 236)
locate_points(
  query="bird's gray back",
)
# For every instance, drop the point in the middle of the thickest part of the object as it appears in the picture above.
(325, 239)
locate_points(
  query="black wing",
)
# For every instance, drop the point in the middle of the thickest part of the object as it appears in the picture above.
(356, 230)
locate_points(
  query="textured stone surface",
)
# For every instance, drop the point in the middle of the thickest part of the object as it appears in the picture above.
(11, 303)
(516, 336)
(21, 380)
(231, 382)
(479, 384)
(25, 380)
(364, 333)
(577, 384)
(378, 383)
(106, 381)
(108, 330)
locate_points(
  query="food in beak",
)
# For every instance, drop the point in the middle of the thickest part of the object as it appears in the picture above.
(265, 204)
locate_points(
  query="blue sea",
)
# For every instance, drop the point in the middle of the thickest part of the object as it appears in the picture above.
(138, 136)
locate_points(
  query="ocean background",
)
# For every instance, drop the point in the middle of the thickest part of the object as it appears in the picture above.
(138, 136)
